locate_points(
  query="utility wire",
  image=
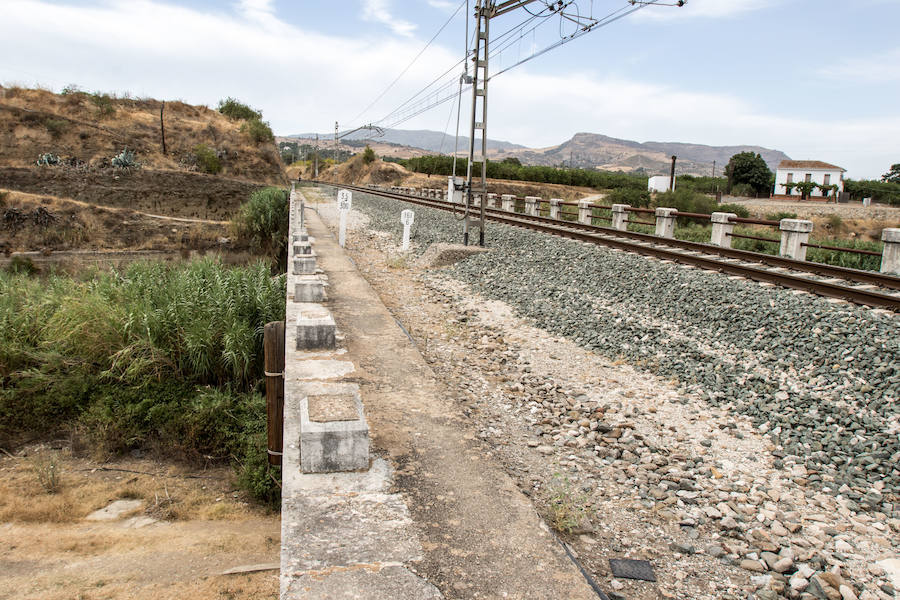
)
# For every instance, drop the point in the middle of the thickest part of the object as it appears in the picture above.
(411, 63)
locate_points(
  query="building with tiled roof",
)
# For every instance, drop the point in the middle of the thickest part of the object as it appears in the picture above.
(823, 174)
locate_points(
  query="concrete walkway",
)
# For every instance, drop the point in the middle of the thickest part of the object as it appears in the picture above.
(472, 533)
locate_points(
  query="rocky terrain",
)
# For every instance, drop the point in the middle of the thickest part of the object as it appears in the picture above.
(742, 438)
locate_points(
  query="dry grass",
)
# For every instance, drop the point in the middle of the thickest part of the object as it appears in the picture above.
(85, 486)
(71, 125)
(80, 225)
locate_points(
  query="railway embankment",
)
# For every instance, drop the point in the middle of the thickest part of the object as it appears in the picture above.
(741, 437)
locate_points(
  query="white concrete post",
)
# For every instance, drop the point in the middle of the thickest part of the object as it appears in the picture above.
(665, 222)
(721, 229)
(620, 216)
(492, 201)
(345, 200)
(531, 205)
(890, 258)
(406, 218)
(584, 212)
(508, 202)
(554, 207)
(794, 233)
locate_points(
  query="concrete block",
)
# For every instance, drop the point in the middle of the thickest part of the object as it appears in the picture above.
(315, 328)
(555, 203)
(302, 248)
(334, 435)
(620, 216)
(722, 226)
(890, 257)
(794, 233)
(585, 210)
(309, 288)
(532, 205)
(492, 200)
(508, 202)
(665, 221)
(305, 264)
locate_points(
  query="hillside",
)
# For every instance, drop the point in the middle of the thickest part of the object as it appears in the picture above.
(87, 130)
(583, 150)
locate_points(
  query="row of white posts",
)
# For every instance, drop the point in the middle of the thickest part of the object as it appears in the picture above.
(794, 232)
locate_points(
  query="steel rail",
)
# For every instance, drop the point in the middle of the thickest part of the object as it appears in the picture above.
(663, 248)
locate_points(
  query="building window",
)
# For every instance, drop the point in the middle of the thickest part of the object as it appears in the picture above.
(827, 180)
(808, 177)
(790, 178)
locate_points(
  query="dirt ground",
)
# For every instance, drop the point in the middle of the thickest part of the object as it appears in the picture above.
(192, 525)
(35, 222)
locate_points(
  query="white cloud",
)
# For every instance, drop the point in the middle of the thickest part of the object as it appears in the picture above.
(304, 80)
(378, 11)
(446, 5)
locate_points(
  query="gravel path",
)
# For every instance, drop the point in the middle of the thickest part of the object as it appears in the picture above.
(819, 379)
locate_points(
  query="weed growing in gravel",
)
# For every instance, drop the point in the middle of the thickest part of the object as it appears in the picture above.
(397, 262)
(568, 508)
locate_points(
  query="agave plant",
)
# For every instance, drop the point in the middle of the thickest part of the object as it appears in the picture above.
(125, 159)
(48, 159)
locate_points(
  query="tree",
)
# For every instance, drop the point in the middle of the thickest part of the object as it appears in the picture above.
(789, 187)
(368, 155)
(892, 176)
(806, 188)
(751, 169)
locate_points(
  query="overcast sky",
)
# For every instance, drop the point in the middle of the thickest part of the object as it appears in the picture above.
(817, 79)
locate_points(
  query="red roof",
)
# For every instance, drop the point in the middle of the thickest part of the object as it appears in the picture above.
(808, 164)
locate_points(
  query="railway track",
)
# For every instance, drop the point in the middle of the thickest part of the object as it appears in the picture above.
(866, 288)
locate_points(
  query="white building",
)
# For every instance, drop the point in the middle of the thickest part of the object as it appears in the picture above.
(658, 183)
(822, 173)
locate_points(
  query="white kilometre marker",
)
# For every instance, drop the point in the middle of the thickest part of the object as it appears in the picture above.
(345, 201)
(406, 217)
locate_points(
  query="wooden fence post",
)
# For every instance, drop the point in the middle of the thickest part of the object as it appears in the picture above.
(273, 347)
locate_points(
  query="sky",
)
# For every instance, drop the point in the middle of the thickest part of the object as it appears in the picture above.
(817, 79)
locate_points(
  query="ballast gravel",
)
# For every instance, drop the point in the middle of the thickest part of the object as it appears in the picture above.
(822, 379)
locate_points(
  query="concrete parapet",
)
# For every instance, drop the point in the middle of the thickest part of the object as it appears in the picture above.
(508, 202)
(890, 257)
(555, 203)
(620, 216)
(665, 221)
(304, 264)
(334, 435)
(722, 226)
(794, 234)
(309, 288)
(315, 328)
(532, 205)
(492, 201)
(585, 211)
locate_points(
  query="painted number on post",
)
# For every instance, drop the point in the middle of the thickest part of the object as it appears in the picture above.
(345, 200)
(407, 217)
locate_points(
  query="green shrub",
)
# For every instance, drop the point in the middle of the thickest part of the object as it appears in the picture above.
(233, 109)
(56, 127)
(258, 131)
(207, 159)
(70, 90)
(104, 105)
(368, 155)
(780, 215)
(629, 196)
(263, 222)
(156, 356)
(738, 209)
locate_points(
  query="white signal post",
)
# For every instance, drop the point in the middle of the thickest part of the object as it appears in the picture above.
(406, 217)
(345, 201)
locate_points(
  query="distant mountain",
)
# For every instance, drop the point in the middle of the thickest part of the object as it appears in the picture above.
(432, 141)
(596, 151)
(584, 150)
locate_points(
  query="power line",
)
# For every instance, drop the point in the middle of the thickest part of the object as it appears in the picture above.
(411, 63)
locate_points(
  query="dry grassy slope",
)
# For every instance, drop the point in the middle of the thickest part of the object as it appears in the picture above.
(356, 172)
(33, 122)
